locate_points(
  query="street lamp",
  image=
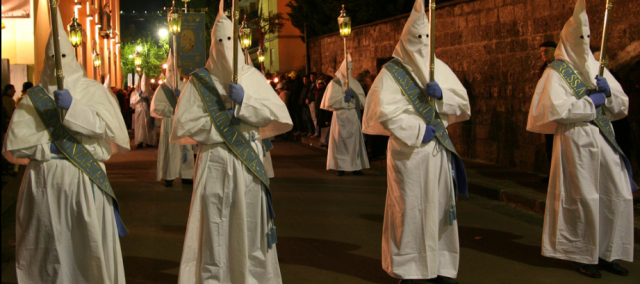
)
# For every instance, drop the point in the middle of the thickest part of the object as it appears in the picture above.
(344, 23)
(245, 34)
(175, 22)
(165, 66)
(153, 81)
(261, 59)
(75, 34)
(163, 33)
(137, 60)
(139, 48)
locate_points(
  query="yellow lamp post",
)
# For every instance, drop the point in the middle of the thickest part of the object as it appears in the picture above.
(175, 23)
(75, 34)
(344, 23)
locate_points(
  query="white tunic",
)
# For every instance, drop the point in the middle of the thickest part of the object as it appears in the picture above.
(347, 151)
(65, 225)
(143, 132)
(174, 160)
(589, 212)
(226, 232)
(417, 240)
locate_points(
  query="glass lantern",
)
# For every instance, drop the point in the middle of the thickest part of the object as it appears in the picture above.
(245, 34)
(96, 59)
(344, 22)
(75, 32)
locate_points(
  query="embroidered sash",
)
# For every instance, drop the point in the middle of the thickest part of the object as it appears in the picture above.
(232, 136)
(580, 90)
(171, 97)
(75, 152)
(420, 102)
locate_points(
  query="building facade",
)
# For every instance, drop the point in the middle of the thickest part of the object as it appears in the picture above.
(25, 34)
(284, 51)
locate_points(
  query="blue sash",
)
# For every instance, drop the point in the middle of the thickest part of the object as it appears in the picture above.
(268, 146)
(233, 137)
(580, 90)
(171, 97)
(75, 152)
(420, 102)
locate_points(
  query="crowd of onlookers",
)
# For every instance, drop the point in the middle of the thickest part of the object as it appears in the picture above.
(303, 96)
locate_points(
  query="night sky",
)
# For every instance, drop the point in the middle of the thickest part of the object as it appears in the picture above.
(128, 6)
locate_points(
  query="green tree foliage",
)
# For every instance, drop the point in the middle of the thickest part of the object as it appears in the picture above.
(321, 16)
(154, 54)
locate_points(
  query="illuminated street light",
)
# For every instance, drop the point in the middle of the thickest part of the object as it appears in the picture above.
(75, 34)
(245, 34)
(130, 55)
(96, 59)
(153, 81)
(344, 22)
(139, 48)
(165, 66)
(163, 33)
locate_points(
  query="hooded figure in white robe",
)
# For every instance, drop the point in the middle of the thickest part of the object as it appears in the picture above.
(589, 212)
(226, 238)
(347, 151)
(66, 229)
(174, 160)
(418, 240)
(143, 124)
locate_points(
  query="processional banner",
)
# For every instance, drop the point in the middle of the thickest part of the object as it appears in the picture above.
(191, 43)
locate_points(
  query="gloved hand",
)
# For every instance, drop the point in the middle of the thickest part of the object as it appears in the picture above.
(348, 95)
(63, 99)
(54, 149)
(236, 120)
(603, 85)
(429, 134)
(236, 93)
(177, 92)
(434, 90)
(598, 98)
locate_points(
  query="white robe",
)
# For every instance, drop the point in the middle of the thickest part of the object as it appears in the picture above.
(65, 226)
(226, 240)
(417, 240)
(589, 212)
(174, 160)
(143, 132)
(347, 151)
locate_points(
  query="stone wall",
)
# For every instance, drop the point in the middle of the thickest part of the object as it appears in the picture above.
(492, 46)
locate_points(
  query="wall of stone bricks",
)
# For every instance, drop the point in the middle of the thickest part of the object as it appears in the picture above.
(492, 46)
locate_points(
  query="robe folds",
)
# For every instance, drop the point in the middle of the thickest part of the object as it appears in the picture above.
(347, 151)
(589, 212)
(174, 160)
(226, 233)
(417, 240)
(143, 128)
(65, 226)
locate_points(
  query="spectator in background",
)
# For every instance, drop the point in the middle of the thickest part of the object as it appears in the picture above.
(311, 98)
(309, 126)
(282, 92)
(324, 116)
(25, 87)
(295, 90)
(8, 104)
(547, 51)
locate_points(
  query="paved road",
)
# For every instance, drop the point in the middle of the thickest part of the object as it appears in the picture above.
(329, 227)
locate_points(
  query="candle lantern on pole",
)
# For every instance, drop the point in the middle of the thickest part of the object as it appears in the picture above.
(344, 23)
(174, 18)
(245, 34)
(261, 59)
(96, 64)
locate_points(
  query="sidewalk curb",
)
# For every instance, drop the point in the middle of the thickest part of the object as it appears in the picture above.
(509, 193)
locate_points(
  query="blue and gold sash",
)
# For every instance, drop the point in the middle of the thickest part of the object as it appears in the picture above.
(72, 149)
(171, 97)
(580, 90)
(420, 102)
(232, 136)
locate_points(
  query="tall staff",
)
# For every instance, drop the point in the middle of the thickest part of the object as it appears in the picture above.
(175, 22)
(605, 37)
(53, 12)
(432, 42)
(235, 14)
(344, 22)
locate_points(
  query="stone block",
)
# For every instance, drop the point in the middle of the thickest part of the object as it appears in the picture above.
(506, 14)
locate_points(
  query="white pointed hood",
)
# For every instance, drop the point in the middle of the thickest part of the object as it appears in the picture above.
(107, 82)
(145, 86)
(413, 48)
(345, 70)
(71, 69)
(574, 44)
(170, 73)
(26, 130)
(221, 53)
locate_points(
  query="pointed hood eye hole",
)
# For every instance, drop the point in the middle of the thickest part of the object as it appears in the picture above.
(427, 35)
(589, 36)
(53, 56)
(582, 37)
(419, 36)
(64, 55)
(220, 40)
(228, 38)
